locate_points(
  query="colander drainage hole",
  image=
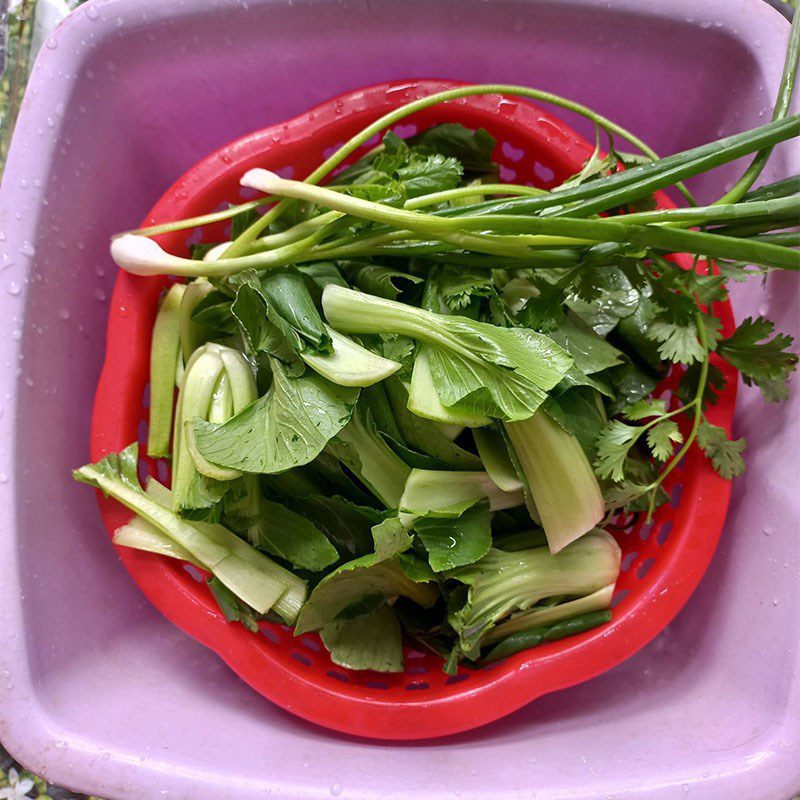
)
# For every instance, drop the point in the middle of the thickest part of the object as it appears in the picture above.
(417, 669)
(303, 659)
(675, 499)
(619, 597)
(543, 173)
(195, 237)
(664, 532)
(308, 642)
(376, 685)
(195, 573)
(339, 676)
(628, 560)
(645, 567)
(511, 152)
(507, 175)
(146, 397)
(455, 679)
(162, 470)
(415, 685)
(271, 635)
(404, 131)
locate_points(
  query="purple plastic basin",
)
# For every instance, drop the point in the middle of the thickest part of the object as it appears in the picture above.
(100, 693)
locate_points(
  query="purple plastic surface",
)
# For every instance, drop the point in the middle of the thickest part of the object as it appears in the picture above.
(100, 693)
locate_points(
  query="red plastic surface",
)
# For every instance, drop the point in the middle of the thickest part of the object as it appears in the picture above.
(662, 562)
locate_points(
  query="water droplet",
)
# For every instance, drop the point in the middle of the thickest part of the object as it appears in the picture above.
(705, 24)
(63, 314)
(13, 288)
(99, 271)
(336, 788)
(23, 184)
(91, 11)
(61, 745)
(767, 531)
(762, 309)
(685, 788)
(51, 43)
(29, 381)
(775, 601)
(100, 294)
(28, 249)
(3, 477)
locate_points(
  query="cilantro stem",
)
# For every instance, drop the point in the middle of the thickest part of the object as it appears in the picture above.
(697, 402)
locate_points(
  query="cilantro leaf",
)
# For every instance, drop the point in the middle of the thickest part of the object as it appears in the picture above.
(545, 312)
(457, 287)
(767, 364)
(643, 409)
(678, 341)
(715, 383)
(613, 443)
(725, 453)
(472, 148)
(662, 437)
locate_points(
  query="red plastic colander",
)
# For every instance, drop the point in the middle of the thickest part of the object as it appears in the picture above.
(662, 561)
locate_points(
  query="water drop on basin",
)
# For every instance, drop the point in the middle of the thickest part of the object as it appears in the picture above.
(685, 788)
(28, 250)
(51, 44)
(63, 314)
(92, 12)
(100, 294)
(336, 788)
(13, 288)
(3, 477)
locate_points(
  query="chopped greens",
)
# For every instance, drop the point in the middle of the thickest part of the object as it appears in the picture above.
(410, 399)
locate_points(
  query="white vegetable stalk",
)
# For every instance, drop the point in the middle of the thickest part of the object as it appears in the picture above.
(445, 493)
(596, 601)
(423, 400)
(164, 353)
(350, 364)
(561, 481)
(140, 255)
(217, 384)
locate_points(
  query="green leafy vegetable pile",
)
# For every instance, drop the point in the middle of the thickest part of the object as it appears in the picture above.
(412, 399)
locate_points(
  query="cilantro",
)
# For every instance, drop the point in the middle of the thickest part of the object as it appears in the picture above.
(613, 443)
(644, 409)
(767, 364)
(662, 437)
(725, 453)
